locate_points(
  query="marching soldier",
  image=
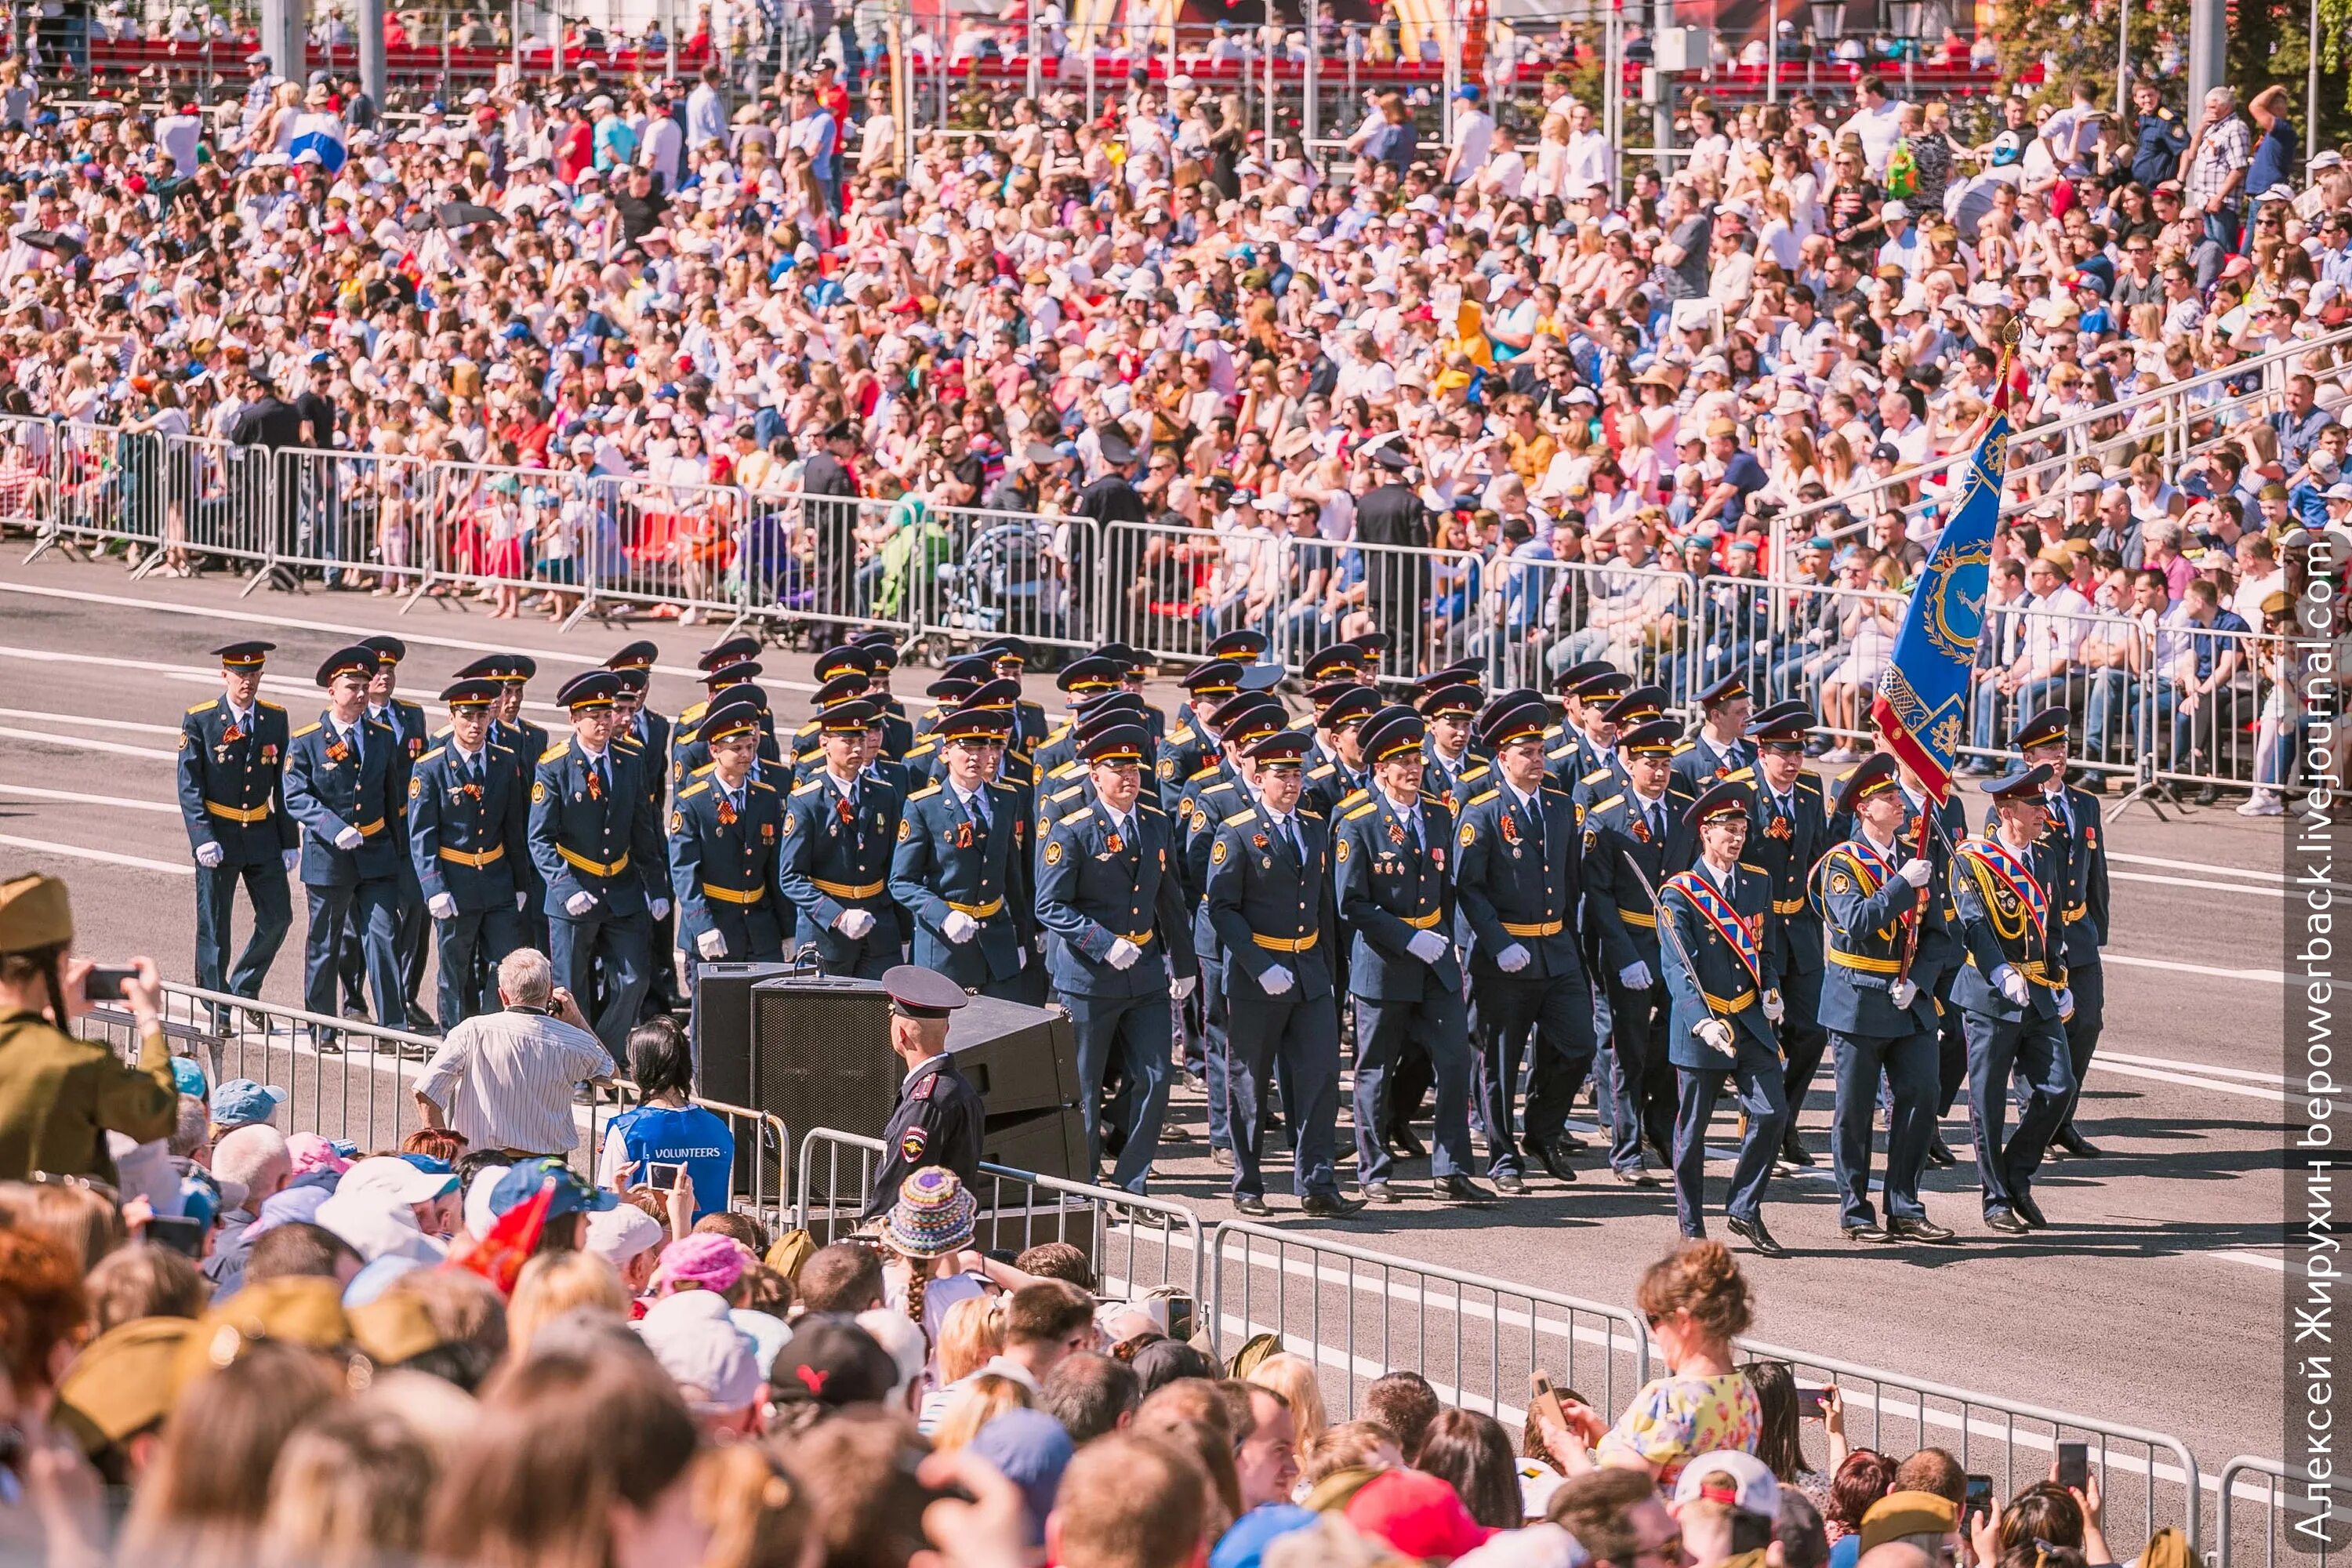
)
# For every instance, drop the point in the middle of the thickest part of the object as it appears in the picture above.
(1726, 1007)
(1008, 657)
(1069, 785)
(1720, 747)
(835, 665)
(339, 781)
(522, 741)
(633, 664)
(939, 1116)
(1394, 892)
(881, 650)
(1192, 746)
(923, 757)
(1880, 1023)
(231, 771)
(1137, 671)
(726, 831)
(1637, 705)
(2082, 901)
(467, 836)
(1787, 838)
(1517, 872)
(730, 664)
(407, 723)
(2012, 996)
(595, 837)
(962, 677)
(1339, 662)
(1269, 902)
(961, 867)
(1340, 736)
(1937, 963)
(645, 736)
(1585, 757)
(1451, 770)
(1645, 826)
(1085, 681)
(841, 826)
(1118, 944)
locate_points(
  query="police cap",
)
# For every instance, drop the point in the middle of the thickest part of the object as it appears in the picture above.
(1283, 749)
(1650, 738)
(728, 652)
(994, 725)
(2021, 783)
(1116, 743)
(1092, 673)
(1722, 799)
(2041, 729)
(471, 693)
(1006, 650)
(843, 661)
(1730, 689)
(637, 655)
(849, 716)
(1351, 707)
(1874, 774)
(590, 689)
(1212, 678)
(1244, 647)
(1573, 678)
(387, 649)
(1514, 716)
(1641, 702)
(352, 660)
(732, 673)
(916, 991)
(1393, 731)
(243, 655)
(995, 693)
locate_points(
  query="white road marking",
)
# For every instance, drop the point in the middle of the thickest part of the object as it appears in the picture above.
(298, 692)
(2277, 1080)
(2252, 1260)
(75, 798)
(106, 857)
(86, 743)
(2206, 865)
(2201, 884)
(2264, 976)
(2247, 1091)
(94, 722)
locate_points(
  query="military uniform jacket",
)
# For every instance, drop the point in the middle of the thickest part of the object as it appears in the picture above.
(469, 837)
(689, 752)
(1456, 782)
(1571, 757)
(1212, 796)
(836, 857)
(1864, 908)
(1789, 845)
(949, 861)
(1517, 872)
(722, 852)
(231, 782)
(1614, 830)
(1058, 751)
(1730, 964)
(1940, 951)
(328, 789)
(1394, 883)
(1327, 784)
(2006, 917)
(1094, 885)
(937, 1121)
(1597, 785)
(1029, 728)
(1062, 795)
(2079, 890)
(651, 775)
(526, 740)
(897, 731)
(592, 837)
(1180, 758)
(651, 733)
(1701, 762)
(1268, 906)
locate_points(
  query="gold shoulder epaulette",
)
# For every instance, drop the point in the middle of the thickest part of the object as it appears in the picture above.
(1237, 818)
(1739, 775)
(305, 730)
(554, 751)
(1595, 777)
(805, 788)
(1482, 797)
(433, 754)
(204, 707)
(691, 791)
(924, 793)
(1605, 805)
(1750, 866)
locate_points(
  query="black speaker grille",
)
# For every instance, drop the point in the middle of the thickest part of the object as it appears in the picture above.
(821, 1055)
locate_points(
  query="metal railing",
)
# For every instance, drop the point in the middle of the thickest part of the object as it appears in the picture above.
(2251, 1479)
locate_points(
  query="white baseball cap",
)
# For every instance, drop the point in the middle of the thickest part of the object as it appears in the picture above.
(1743, 1480)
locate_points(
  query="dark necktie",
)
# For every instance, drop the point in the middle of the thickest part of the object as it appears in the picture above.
(979, 805)
(1535, 823)
(604, 779)
(1657, 815)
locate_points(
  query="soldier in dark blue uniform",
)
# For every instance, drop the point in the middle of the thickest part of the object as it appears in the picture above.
(1787, 838)
(728, 665)
(1391, 854)
(923, 755)
(338, 782)
(1587, 743)
(1085, 681)
(1719, 747)
(1008, 657)
(1116, 931)
(1726, 1007)
(1066, 786)
(962, 865)
(1192, 746)
(2082, 900)
(1636, 705)
(524, 741)
(1269, 900)
(2013, 995)
(1881, 1024)
(231, 766)
(633, 664)
(833, 671)
(411, 731)
(841, 828)
(468, 833)
(1339, 737)
(898, 731)
(955, 683)
(940, 1118)
(1451, 770)
(1517, 873)
(1941, 953)
(726, 831)
(595, 837)
(1136, 670)
(1645, 825)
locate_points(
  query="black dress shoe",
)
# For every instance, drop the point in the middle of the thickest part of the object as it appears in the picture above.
(1252, 1205)
(1459, 1189)
(1940, 1153)
(2030, 1212)
(1866, 1233)
(1920, 1230)
(1567, 1141)
(1403, 1146)
(2074, 1143)
(2007, 1223)
(1510, 1182)
(1552, 1156)
(1793, 1149)
(1328, 1206)
(1379, 1193)
(1754, 1234)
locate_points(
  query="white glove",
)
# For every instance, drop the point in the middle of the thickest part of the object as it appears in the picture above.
(1181, 989)
(1040, 940)
(1716, 1033)
(1275, 980)
(1428, 946)
(959, 927)
(1513, 958)
(2067, 1003)
(1902, 993)
(443, 906)
(1634, 976)
(854, 923)
(211, 854)
(2012, 985)
(350, 838)
(293, 858)
(522, 900)
(579, 903)
(657, 908)
(1914, 871)
(1775, 1009)
(711, 944)
(1122, 954)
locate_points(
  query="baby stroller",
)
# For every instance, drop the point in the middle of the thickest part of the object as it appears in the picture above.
(1004, 579)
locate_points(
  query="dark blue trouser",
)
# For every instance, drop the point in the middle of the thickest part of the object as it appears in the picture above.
(1697, 1090)
(1642, 1091)
(2035, 1047)
(372, 906)
(1300, 1040)
(467, 950)
(1559, 1010)
(273, 917)
(576, 943)
(1908, 1064)
(2090, 988)
(1802, 1038)
(1437, 1023)
(1137, 1031)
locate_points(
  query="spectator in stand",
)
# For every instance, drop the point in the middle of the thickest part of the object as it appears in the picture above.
(1091, 1394)
(1404, 1403)
(1866, 1476)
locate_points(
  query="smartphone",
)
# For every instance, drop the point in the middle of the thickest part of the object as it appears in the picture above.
(2074, 1466)
(184, 1236)
(1812, 1401)
(663, 1176)
(1180, 1317)
(105, 983)
(1543, 1399)
(1980, 1498)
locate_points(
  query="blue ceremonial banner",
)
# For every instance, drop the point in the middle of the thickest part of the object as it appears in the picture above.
(1922, 707)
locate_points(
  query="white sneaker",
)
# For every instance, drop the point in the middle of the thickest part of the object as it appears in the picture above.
(2263, 805)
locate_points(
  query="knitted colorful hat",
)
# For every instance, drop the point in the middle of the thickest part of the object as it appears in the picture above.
(934, 1215)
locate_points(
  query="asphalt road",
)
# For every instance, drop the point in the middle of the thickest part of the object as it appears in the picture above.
(2156, 1302)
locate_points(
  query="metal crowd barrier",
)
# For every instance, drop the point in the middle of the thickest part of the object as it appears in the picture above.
(2248, 1483)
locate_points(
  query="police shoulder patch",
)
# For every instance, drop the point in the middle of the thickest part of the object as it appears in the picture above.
(1217, 853)
(1469, 834)
(1167, 769)
(677, 821)
(415, 787)
(1340, 850)
(910, 1144)
(183, 740)
(537, 793)
(906, 830)
(790, 822)
(1053, 852)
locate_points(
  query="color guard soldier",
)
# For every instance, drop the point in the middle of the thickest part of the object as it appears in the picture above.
(1787, 838)
(1119, 942)
(841, 828)
(231, 769)
(596, 839)
(1269, 902)
(1008, 657)
(962, 868)
(1395, 890)
(1517, 873)
(940, 1117)
(1941, 953)
(1192, 746)
(408, 725)
(338, 782)
(1881, 1025)
(2082, 901)
(468, 833)
(1719, 747)
(1726, 1007)
(726, 831)
(1647, 824)
(2013, 995)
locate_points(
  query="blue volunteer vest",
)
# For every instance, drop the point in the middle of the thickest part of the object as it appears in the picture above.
(691, 1137)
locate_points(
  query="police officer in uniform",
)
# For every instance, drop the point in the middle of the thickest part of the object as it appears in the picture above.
(2082, 901)
(1340, 735)
(596, 839)
(962, 867)
(726, 831)
(524, 741)
(940, 1117)
(339, 783)
(1585, 755)
(1517, 872)
(231, 771)
(1787, 838)
(1451, 770)
(1008, 657)
(409, 728)
(633, 664)
(468, 834)
(1192, 746)
(881, 650)
(841, 826)
(834, 664)
(1085, 681)
(1720, 747)
(1726, 1007)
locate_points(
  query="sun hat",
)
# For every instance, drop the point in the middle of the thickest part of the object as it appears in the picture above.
(934, 1215)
